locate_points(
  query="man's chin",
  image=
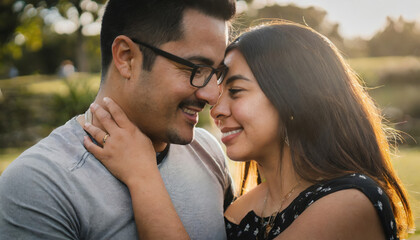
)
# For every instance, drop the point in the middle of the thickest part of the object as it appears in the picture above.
(176, 137)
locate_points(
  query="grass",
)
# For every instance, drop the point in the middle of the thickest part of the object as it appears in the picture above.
(407, 165)
(371, 69)
(45, 84)
(7, 156)
(388, 94)
(25, 80)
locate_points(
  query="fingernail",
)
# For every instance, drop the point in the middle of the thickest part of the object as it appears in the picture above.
(94, 106)
(106, 99)
(87, 124)
(85, 140)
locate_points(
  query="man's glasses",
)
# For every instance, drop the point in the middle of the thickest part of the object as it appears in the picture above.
(200, 73)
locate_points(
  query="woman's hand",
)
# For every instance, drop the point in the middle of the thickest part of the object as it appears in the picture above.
(126, 152)
(130, 156)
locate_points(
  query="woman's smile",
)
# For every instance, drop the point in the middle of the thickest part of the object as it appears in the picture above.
(229, 135)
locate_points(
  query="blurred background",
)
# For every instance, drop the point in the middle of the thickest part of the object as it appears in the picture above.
(50, 64)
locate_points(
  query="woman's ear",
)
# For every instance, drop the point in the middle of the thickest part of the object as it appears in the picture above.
(124, 52)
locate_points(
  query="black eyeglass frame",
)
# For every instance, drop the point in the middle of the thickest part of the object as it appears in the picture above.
(220, 72)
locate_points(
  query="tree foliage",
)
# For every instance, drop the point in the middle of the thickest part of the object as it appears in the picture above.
(399, 38)
(29, 28)
(310, 16)
(33, 41)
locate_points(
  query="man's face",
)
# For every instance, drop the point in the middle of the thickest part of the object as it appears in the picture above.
(163, 104)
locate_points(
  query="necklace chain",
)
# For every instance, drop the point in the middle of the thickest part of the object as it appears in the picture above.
(268, 225)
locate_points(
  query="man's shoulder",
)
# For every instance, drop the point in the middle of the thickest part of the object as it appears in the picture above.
(203, 137)
(211, 154)
(207, 146)
(58, 152)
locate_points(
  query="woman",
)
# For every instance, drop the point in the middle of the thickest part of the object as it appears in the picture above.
(291, 103)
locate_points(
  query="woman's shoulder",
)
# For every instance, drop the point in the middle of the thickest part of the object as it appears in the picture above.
(356, 181)
(350, 206)
(360, 184)
(347, 213)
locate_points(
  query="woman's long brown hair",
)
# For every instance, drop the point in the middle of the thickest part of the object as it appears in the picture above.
(333, 126)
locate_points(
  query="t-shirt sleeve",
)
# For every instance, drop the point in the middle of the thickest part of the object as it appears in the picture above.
(33, 205)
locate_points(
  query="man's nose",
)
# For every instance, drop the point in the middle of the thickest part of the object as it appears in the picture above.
(210, 92)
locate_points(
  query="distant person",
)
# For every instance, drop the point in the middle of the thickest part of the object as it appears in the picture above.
(291, 103)
(13, 72)
(66, 69)
(160, 63)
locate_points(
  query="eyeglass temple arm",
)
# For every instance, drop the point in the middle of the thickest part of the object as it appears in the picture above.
(166, 54)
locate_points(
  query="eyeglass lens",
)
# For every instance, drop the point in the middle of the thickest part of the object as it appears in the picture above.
(204, 73)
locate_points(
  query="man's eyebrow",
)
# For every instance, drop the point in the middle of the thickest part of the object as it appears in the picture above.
(201, 59)
(236, 77)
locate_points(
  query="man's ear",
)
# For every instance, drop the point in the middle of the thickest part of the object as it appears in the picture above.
(125, 53)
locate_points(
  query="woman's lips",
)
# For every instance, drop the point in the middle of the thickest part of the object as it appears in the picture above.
(228, 135)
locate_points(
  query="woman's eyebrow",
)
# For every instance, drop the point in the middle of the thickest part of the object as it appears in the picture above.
(236, 77)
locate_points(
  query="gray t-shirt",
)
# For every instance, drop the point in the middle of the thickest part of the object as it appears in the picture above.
(58, 190)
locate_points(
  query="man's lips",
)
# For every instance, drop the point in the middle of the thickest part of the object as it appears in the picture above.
(191, 110)
(191, 113)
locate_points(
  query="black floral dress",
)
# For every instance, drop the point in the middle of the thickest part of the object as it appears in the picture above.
(249, 227)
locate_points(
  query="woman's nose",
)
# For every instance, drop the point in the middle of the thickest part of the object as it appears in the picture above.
(220, 110)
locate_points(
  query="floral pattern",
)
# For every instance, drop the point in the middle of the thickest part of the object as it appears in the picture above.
(249, 227)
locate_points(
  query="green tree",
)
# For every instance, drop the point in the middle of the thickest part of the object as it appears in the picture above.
(28, 27)
(310, 16)
(399, 38)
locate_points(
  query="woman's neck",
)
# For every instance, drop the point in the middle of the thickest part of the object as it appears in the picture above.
(283, 183)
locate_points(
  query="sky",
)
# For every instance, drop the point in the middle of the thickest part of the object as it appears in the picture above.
(361, 17)
(357, 18)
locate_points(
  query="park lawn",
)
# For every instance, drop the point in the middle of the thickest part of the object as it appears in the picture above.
(50, 84)
(79, 80)
(25, 80)
(7, 156)
(371, 69)
(407, 165)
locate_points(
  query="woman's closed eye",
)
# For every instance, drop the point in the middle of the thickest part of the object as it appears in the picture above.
(234, 91)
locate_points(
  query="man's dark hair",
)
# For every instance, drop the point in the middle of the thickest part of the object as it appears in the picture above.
(152, 21)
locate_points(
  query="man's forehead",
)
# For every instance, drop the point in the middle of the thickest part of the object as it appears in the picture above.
(204, 38)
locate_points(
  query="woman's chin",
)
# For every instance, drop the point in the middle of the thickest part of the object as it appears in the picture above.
(234, 156)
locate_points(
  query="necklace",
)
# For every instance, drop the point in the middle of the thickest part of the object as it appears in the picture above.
(268, 225)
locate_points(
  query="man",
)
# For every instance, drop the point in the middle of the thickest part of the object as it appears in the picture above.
(160, 62)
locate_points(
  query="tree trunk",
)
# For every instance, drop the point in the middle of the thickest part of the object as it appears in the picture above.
(82, 63)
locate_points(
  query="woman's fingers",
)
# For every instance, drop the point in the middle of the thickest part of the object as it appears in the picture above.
(93, 148)
(126, 151)
(97, 133)
(117, 113)
(104, 117)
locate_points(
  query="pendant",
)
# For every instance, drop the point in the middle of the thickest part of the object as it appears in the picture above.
(267, 230)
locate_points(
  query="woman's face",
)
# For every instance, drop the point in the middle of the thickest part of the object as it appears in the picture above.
(247, 119)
